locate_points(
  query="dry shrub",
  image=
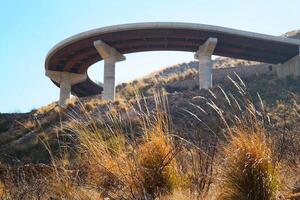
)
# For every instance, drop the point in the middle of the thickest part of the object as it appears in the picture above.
(26, 182)
(248, 171)
(290, 181)
(41, 182)
(157, 165)
(103, 161)
(197, 168)
(119, 167)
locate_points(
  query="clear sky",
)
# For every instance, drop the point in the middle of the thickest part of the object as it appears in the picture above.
(29, 28)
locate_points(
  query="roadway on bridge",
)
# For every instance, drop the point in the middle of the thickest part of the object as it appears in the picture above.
(77, 53)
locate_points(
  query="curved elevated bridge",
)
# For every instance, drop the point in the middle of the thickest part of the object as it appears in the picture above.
(68, 61)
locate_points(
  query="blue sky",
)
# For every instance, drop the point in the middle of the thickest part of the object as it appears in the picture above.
(30, 28)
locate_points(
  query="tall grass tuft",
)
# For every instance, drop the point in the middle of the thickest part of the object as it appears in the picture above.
(157, 165)
(248, 171)
(118, 164)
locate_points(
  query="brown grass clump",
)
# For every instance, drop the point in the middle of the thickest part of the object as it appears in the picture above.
(157, 165)
(120, 168)
(119, 165)
(248, 171)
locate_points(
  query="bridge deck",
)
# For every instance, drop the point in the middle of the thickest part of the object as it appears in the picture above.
(77, 53)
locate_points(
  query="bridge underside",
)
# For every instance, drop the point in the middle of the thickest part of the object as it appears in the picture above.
(78, 55)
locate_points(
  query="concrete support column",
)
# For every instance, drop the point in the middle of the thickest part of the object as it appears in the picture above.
(205, 62)
(110, 56)
(109, 79)
(65, 81)
(65, 91)
(205, 72)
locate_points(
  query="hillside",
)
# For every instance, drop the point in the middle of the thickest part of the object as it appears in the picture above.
(20, 133)
(196, 120)
(163, 138)
(178, 77)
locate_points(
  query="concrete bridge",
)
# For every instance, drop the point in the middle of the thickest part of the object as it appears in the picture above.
(67, 62)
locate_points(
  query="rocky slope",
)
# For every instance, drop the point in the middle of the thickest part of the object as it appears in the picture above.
(21, 134)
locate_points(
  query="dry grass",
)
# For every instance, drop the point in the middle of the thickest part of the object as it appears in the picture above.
(46, 108)
(248, 172)
(93, 103)
(71, 102)
(119, 167)
(156, 162)
(110, 154)
(109, 162)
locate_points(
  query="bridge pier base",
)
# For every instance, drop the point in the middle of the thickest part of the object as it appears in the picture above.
(205, 62)
(66, 80)
(289, 68)
(110, 56)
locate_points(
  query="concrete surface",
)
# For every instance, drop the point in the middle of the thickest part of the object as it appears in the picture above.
(205, 62)
(77, 53)
(110, 56)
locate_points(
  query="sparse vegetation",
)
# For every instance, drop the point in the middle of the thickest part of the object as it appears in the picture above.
(226, 143)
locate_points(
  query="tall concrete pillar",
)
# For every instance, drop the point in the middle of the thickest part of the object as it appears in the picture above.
(205, 62)
(110, 56)
(109, 78)
(65, 91)
(65, 81)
